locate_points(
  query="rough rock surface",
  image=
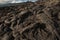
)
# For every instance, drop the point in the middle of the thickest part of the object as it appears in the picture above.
(31, 21)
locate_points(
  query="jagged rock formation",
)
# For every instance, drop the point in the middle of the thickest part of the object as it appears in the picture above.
(31, 21)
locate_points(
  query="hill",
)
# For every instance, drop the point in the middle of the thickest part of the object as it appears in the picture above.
(30, 21)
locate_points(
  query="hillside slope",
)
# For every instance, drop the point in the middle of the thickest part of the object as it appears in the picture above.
(31, 21)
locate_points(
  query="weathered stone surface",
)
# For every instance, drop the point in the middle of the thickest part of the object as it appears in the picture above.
(31, 21)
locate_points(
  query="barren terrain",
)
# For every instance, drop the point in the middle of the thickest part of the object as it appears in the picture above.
(31, 21)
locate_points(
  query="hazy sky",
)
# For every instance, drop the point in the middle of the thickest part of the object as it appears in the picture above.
(14, 1)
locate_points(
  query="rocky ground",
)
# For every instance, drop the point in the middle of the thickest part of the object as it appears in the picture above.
(31, 21)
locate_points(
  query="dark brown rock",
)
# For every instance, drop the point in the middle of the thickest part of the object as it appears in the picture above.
(31, 21)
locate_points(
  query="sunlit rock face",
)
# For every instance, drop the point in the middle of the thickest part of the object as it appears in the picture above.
(15, 1)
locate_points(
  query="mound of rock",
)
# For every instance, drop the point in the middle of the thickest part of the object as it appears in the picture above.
(31, 21)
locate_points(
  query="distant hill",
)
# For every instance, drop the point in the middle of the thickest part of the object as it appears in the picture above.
(13, 4)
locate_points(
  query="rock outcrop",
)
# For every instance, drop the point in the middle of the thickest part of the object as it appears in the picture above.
(31, 21)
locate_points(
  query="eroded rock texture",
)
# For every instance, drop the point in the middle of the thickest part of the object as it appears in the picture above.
(31, 21)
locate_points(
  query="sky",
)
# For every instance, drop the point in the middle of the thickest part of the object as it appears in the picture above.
(14, 1)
